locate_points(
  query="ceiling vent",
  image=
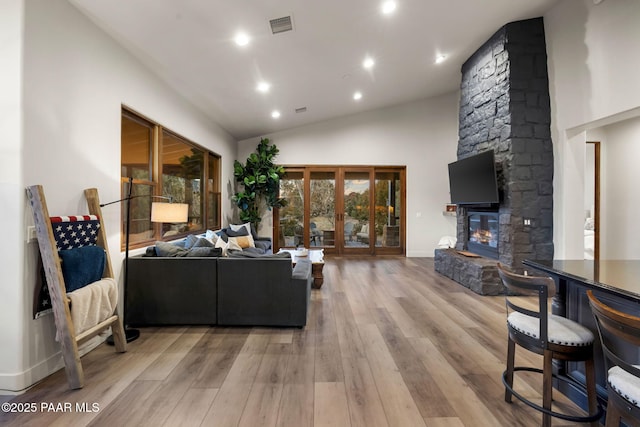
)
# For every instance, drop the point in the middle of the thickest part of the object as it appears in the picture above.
(281, 25)
(301, 110)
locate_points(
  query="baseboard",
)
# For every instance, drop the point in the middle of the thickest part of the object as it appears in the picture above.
(420, 254)
(18, 383)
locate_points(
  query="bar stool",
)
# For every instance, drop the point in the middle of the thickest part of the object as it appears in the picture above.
(553, 337)
(623, 378)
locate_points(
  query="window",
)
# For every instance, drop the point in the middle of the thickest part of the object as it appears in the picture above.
(162, 163)
(343, 209)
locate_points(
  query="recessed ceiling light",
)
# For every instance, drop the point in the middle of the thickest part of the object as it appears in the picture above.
(388, 7)
(263, 87)
(275, 114)
(440, 58)
(242, 39)
(368, 62)
(357, 96)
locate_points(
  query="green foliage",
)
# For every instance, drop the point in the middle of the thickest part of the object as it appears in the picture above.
(259, 180)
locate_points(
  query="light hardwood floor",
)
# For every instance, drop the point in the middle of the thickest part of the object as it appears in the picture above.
(388, 342)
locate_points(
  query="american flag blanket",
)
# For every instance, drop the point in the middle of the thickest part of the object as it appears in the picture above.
(70, 232)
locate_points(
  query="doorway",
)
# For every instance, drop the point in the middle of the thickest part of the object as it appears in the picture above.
(592, 201)
(342, 209)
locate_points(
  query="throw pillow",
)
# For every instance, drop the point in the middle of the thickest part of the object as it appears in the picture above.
(236, 227)
(220, 243)
(81, 266)
(203, 243)
(190, 240)
(241, 242)
(247, 226)
(238, 232)
(166, 249)
(212, 235)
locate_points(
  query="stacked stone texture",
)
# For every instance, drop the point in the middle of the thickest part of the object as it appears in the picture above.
(504, 106)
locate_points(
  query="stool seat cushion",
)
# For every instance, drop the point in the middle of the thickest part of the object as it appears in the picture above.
(626, 384)
(561, 330)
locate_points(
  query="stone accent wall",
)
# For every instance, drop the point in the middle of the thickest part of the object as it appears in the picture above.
(504, 106)
(478, 274)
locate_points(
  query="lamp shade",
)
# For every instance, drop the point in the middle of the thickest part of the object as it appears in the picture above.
(169, 212)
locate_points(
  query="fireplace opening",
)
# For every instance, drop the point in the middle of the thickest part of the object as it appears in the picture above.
(483, 233)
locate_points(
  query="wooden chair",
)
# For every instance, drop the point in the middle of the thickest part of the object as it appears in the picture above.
(67, 333)
(623, 378)
(551, 336)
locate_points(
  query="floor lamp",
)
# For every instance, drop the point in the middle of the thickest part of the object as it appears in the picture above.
(160, 212)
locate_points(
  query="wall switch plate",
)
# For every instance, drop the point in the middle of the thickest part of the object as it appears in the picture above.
(31, 234)
(527, 222)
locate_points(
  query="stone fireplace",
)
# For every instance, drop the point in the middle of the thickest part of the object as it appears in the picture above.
(504, 106)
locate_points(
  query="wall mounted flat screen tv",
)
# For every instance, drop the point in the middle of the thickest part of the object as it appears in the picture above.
(473, 181)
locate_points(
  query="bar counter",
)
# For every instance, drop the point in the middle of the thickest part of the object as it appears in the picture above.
(620, 277)
(614, 282)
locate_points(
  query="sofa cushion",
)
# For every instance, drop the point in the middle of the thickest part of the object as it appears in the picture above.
(201, 248)
(204, 252)
(249, 253)
(263, 245)
(302, 270)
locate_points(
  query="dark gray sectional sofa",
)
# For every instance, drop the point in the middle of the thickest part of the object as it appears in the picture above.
(263, 291)
(235, 290)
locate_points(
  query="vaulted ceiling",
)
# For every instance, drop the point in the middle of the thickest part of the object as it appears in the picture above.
(317, 66)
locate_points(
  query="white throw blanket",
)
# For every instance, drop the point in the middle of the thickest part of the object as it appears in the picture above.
(93, 304)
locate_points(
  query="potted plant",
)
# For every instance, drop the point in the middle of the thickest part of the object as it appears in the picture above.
(258, 183)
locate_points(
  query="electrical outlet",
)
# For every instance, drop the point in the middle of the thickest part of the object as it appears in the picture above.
(418, 214)
(31, 234)
(527, 222)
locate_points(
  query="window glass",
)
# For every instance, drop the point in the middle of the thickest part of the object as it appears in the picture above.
(356, 208)
(213, 193)
(388, 209)
(163, 164)
(322, 208)
(140, 226)
(292, 215)
(182, 173)
(136, 139)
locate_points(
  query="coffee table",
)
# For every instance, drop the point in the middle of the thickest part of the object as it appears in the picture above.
(316, 256)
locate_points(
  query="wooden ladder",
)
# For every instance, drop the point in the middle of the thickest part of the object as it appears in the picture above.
(69, 340)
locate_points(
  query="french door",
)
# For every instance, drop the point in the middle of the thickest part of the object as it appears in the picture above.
(343, 209)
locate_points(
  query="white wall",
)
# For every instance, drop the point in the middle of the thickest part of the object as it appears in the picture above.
(11, 190)
(422, 135)
(75, 80)
(619, 188)
(593, 62)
